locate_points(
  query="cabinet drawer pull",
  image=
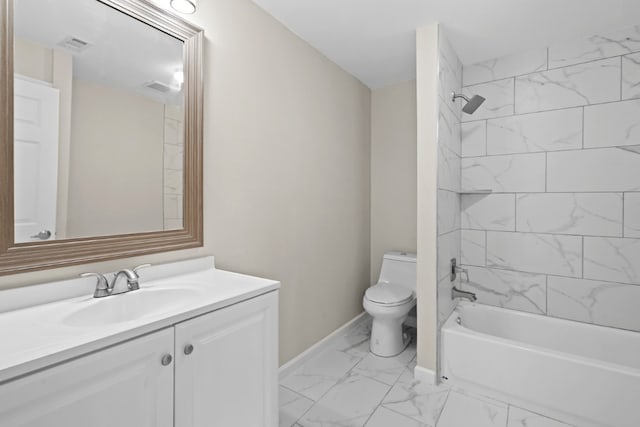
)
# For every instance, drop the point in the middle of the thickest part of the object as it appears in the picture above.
(166, 359)
(188, 349)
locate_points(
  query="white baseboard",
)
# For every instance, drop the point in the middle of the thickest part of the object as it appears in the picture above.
(325, 343)
(424, 375)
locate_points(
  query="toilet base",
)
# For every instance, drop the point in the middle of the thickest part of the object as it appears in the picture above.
(388, 338)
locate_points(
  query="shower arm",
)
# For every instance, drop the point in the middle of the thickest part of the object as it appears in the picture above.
(455, 96)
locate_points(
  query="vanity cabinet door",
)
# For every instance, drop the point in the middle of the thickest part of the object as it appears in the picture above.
(126, 386)
(227, 367)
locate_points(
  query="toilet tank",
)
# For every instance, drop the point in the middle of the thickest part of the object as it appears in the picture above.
(399, 268)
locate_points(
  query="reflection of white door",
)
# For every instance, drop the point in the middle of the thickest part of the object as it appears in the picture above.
(35, 160)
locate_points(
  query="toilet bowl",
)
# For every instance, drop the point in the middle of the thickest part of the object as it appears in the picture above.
(389, 301)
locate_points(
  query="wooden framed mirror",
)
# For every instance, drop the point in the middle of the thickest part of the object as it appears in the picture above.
(148, 65)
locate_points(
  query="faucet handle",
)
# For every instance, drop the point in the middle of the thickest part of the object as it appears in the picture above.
(134, 285)
(102, 285)
(135, 269)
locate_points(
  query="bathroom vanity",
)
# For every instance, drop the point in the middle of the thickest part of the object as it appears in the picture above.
(195, 346)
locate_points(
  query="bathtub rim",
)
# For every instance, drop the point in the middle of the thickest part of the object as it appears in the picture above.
(451, 326)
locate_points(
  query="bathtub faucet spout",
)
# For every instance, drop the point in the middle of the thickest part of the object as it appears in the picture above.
(457, 293)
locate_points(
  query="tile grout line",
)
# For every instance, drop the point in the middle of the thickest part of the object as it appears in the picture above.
(624, 201)
(546, 171)
(486, 137)
(546, 287)
(548, 47)
(514, 96)
(582, 258)
(564, 150)
(548, 68)
(621, 76)
(549, 110)
(583, 110)
(340, 380)
(446, 400)
(379, 405)
(530, 273)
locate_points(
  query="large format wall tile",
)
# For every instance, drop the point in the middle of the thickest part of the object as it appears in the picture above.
(506, 66)
(474, 138)
(631, 76)
(448, 211)
(489, 212)
(602, 303)
(535, 253)
(614, 124)
(584, 84)
(601, 169)
(499, 100)
(613, 260)
(548, 131)
(606, 45)
(448, 248)
(448, 169)
(508, 289)
(632, 215)
(512, 173)
(595, 214)
(448, 130)
(473, 247)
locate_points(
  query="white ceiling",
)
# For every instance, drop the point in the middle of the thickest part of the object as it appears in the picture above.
(375, 39)
(124, 53)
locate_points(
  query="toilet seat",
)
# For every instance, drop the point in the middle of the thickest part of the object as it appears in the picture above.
(388, 294)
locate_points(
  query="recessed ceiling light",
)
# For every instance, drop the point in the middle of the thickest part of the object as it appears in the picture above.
(184, 6)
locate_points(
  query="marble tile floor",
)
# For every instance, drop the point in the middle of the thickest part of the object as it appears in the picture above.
(347, 386)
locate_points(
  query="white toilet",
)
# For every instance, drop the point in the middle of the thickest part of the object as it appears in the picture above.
(389, 302)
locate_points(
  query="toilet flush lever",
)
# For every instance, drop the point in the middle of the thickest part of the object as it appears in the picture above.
(455, 269)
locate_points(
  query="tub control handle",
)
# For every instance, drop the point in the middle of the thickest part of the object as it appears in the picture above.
(455, 269)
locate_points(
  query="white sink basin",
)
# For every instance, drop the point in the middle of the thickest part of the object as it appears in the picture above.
(130, 306)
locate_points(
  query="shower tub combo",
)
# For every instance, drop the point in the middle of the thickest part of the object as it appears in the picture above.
(582, 374)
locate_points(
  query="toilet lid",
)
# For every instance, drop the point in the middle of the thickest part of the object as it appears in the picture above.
(388, 294)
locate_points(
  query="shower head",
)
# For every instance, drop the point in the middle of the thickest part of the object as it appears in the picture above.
(472, 104)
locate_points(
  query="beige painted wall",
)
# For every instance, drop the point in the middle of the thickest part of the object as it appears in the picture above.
(393, 171)
(286, 171)
(116, 162)
(427, 163)
(33, 60)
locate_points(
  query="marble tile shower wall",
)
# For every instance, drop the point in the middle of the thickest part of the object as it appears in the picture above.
(560, 234)
(449, 157)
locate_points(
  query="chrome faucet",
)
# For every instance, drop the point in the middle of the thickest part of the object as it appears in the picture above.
(105, 289)
(132, 281)
(458, 293)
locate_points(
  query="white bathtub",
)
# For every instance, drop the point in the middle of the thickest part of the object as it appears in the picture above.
(585, 375)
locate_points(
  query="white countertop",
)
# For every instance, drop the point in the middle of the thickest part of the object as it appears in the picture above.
(35, 337)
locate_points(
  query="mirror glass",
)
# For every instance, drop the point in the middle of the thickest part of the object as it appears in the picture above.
(98, 123)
